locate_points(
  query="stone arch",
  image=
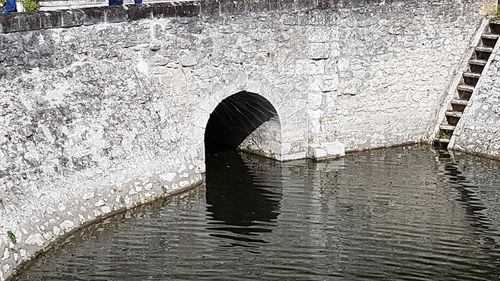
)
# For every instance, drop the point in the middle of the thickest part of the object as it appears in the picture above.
(245, 121)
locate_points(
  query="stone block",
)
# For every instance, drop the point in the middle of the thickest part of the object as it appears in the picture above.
(317, 17)
(50, 19)
(305, 4)
(317, 34)
(329, 4)
(257, 6)
(187, 9)
(70, 18)
(317, 51)
(309, 67)
(210, 8)
(138, 12)
(232, 7)
(284, 5)
(325, 4)
(29, 21)
(162, 10)
(115, 14)
(93, 15)
(327, 150)
(10, 23)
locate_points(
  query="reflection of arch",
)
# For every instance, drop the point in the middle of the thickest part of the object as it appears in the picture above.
(246, 121)
(246, 203)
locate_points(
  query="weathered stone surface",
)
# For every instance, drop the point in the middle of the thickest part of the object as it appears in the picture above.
(101, 117)
(10, 23)
(478, 131)
(50, 20)
(17, 22)
(137, 12)
(93, 16)
(70, 18)
(115, 14)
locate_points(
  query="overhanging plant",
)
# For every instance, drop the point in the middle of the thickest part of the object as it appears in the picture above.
(30, 5)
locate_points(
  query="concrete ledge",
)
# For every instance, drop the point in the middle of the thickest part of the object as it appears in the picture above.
(17, 22)
(327, 150)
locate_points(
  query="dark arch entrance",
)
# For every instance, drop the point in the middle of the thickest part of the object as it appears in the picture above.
(247, 121)
(237, 200)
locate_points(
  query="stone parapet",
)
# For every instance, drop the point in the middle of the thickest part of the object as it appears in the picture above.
(16, 22)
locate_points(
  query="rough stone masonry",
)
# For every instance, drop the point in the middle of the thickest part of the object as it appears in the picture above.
(102, 109)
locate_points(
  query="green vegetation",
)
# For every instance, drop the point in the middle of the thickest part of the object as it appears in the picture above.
(30, 5)
(498, 10)
(445, 135)
(164, 188)
(122, 199)
(12, 236)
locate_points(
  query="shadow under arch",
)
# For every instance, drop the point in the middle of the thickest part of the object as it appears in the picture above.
(244, 121)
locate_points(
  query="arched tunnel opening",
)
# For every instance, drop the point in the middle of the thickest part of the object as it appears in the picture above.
(247, 121)
(242, 191)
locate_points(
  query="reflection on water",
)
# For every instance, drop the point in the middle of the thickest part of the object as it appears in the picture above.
(403, 213)
(234, 204)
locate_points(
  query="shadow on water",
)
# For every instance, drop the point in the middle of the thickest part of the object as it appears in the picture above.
(243, 198)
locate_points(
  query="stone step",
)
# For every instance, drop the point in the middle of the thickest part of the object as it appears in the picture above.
(483, 53)
(478, 62)
(465, 91)
(443, 127)
(484, 49)
(442, 140)
(465, 88)
(477, 65)
(489, 39)
(490, 36)
(472, 75)
(495, 26)
(471, 78)
(459, 102)
(455, 114)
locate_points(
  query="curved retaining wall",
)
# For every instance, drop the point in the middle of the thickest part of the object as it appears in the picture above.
(103, 109)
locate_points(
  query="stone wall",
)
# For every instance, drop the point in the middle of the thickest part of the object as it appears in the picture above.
(478, 131)
(393, 65)
(111, 112)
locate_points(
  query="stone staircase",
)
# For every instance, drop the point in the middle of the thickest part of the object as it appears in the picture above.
(468, 82)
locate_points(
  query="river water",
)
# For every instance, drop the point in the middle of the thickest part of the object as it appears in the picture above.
(406, 213)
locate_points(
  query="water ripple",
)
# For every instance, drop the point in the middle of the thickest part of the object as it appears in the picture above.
(405, 213)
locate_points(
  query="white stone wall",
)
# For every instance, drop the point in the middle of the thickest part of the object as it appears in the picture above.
(99, 118)
(478, 131)
(393, 70)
